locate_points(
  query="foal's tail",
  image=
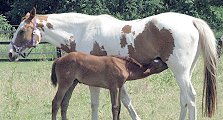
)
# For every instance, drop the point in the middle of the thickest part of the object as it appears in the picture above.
(208, 46)
(53, 74)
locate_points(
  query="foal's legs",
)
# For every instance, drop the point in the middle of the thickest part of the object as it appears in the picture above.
(127, 103)
(66, 99)
(116, 104)
(62, 89)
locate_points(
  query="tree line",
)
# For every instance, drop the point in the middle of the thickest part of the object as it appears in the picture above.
(121, 9)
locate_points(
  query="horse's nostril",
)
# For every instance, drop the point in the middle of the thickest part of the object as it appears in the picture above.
(10, 55)
(11, 58)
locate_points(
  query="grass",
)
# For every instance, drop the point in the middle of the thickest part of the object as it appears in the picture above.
(26, 94)
(42, 51)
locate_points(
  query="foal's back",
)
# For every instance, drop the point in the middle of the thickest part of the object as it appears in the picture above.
(99, 71)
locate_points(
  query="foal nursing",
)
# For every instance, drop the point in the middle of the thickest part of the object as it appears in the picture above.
(109, 72)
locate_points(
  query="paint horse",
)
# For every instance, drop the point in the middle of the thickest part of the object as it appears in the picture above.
(99, 71)
(177, 39)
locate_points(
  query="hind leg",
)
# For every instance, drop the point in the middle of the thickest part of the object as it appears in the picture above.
(182, 71)
(127, 103)
(66, 99)
(187, 97)
(62, 89)
(94, 91)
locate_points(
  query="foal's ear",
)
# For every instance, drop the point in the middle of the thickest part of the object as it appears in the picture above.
(136, 62)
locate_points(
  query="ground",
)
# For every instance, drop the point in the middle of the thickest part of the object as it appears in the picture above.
(26, 94)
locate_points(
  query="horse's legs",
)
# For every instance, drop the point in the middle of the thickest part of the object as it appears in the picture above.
(127, 103)
(66, 99)
(183, 75)
(187, 96)
(116, 104)
(62, 89)
(94, 91)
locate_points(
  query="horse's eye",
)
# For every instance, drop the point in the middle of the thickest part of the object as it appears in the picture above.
(21, 31)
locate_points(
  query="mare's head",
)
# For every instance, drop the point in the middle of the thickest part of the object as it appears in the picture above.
(26, 37)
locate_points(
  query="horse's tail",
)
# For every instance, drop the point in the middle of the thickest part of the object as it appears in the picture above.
(53, 74)
(208, 46)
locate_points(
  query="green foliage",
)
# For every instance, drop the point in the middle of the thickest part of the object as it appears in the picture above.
(4, 23)
(209, 10)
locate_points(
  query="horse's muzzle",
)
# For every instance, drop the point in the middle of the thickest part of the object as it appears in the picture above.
(12, 57)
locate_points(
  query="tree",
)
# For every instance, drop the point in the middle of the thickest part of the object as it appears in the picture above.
(122, 9)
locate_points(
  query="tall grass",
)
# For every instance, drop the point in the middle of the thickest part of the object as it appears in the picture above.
(26, 94)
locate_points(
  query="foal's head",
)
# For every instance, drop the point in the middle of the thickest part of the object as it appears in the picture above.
(138, 71)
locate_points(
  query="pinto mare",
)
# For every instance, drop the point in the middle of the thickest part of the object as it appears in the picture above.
(177, 39)
(99, 71)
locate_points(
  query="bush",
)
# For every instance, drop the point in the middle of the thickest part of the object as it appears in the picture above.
(4, 24)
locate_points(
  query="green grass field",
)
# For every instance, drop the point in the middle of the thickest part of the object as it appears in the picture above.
(26, 94)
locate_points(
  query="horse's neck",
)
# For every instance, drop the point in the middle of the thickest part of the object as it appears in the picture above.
(64, 27)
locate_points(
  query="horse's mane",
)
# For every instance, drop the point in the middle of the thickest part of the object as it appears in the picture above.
(128, 59)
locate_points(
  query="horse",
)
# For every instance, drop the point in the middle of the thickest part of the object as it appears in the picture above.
(178, 39)
(109, 72)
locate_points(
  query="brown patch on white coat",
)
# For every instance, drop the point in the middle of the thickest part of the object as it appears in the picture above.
(123, 41)
(49, 25)
(99, 71)
(97, 50)
(152, 43)
(70, 47)
(127, 29)
(43, 18)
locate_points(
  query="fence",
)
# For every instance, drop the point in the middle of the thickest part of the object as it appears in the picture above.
(44, 51)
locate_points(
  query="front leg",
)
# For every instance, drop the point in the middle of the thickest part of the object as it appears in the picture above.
(94, 91)
(127, 103)
(116, 104)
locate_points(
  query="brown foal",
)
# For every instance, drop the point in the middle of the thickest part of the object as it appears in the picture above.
(109, 72)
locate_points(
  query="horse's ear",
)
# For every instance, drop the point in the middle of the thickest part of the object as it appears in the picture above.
(26, 16)
(32, 13)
